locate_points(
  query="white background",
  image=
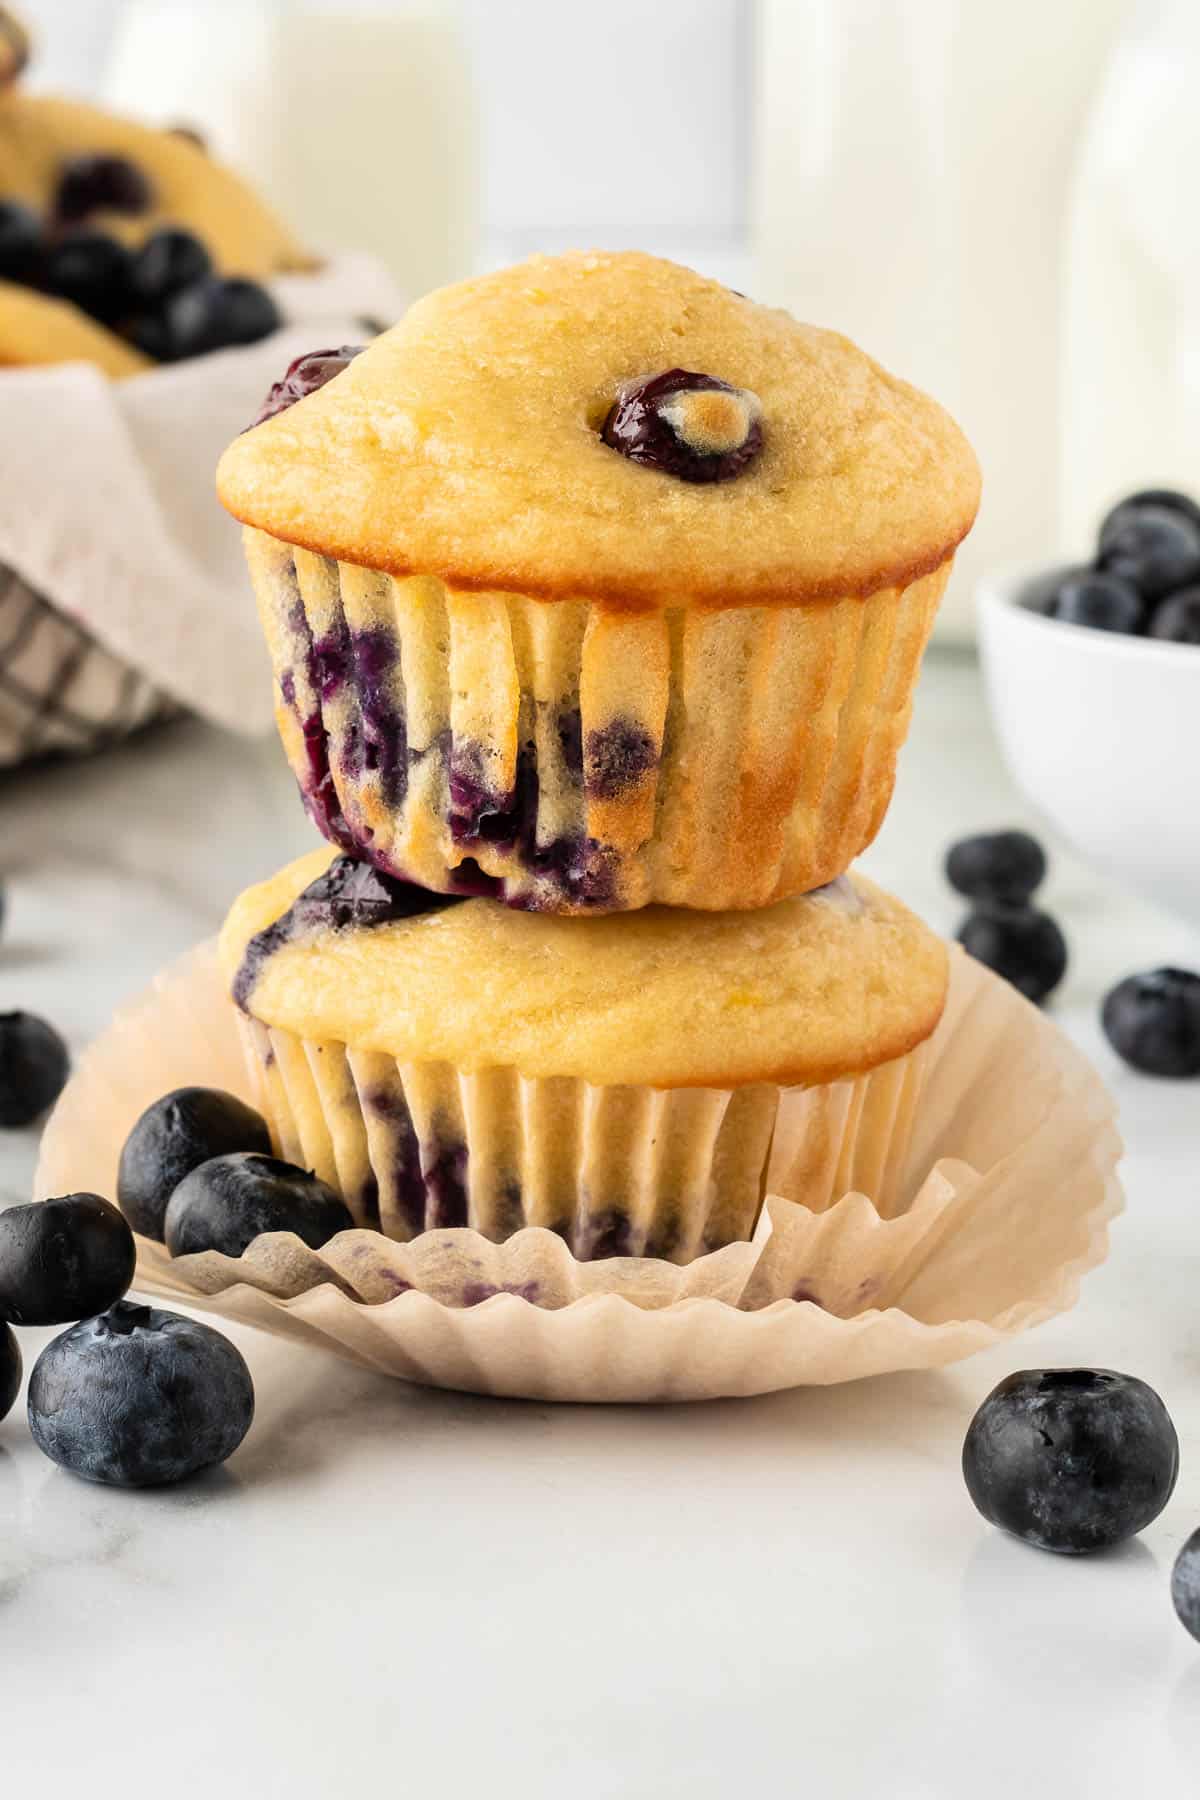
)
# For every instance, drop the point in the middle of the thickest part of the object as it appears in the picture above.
(645, 103)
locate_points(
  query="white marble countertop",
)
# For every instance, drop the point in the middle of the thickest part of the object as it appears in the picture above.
(438, 1594)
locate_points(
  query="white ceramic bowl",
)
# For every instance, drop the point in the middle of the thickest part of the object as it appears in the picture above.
(1103, 734)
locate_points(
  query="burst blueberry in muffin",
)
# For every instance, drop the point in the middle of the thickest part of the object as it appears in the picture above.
(600, 582)
(619, 1080)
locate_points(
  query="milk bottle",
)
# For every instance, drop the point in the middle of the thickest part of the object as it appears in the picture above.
(358, 121)
(1131, 314)
(912, 170)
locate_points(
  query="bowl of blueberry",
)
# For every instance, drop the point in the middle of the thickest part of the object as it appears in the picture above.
(1093, 678)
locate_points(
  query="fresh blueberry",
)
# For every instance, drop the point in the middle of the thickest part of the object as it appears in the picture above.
(139, 1398)
(1020, 943)
(1008, 866)
(90, 269)
(216, 314)
(1185, 1585)
(63, 1260)
(20, 241)
(1040, 593)
(1102, 600)
(90, 184)
(1168, 498)
(304, 376)
(228, 1202)
(184, 328)
(148, 333)
(1153, 1022)
(1177, 619)
(1154, 548)
(1071, 1459)
(686, 424)
(33, 1068)
(167, 261)
(187, 1127)
(10, 1369)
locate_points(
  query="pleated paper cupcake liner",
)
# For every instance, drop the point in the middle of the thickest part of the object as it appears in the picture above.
(1012, 1164)
(613, 1171)
(586, 759)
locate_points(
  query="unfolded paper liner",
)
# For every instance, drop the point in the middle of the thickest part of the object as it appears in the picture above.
(1010, 1181)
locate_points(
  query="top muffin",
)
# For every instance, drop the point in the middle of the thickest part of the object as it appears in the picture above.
(466, 443)
(596, 583)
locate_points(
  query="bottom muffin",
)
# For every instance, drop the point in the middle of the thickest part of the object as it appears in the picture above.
(621, 1080)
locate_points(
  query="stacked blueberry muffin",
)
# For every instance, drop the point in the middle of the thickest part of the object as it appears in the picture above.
(596, 595)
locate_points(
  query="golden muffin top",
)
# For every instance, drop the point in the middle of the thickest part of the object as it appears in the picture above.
(40, 134)
(469, 443)
(806, 991)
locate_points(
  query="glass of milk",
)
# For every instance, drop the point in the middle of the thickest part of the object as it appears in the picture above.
(1131, 309)
(358, 121)
(911, 188)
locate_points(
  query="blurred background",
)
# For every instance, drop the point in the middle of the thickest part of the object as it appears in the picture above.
(986, 196)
